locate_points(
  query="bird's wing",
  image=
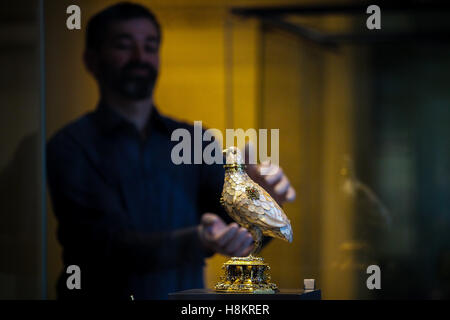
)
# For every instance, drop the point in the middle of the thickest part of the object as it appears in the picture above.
(262, 210)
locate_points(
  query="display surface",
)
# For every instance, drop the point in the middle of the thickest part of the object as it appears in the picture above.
(282, 294)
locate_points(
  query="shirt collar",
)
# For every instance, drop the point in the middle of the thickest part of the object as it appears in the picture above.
(109, 120)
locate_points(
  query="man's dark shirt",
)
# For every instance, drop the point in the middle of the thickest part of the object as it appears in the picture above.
(127, 215)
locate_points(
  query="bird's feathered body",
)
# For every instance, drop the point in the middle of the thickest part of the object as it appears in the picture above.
(250, 205)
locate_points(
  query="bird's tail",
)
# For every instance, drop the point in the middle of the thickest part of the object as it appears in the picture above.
(286, 231)
(283, 233)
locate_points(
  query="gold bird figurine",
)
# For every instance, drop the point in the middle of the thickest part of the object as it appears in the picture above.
(250, 205)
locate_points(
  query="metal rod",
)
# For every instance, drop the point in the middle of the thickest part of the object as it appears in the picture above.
(332, 40)
(349, 8)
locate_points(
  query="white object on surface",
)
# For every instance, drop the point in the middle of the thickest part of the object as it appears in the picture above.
(309, 284)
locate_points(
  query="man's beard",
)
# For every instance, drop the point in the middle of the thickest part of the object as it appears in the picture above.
(129, 85)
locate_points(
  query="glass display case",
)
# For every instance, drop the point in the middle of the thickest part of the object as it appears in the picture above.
(364, 137)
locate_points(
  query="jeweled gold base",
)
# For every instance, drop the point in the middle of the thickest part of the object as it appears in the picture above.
(246, 275)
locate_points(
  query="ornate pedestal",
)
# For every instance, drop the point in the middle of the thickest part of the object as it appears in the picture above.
(246, 275)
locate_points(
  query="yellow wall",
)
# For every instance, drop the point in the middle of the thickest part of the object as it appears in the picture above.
(198, 81)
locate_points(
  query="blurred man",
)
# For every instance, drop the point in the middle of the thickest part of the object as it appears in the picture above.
(135, 223)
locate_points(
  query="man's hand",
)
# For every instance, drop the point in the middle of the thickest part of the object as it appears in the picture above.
(230, 240)
(275, 182)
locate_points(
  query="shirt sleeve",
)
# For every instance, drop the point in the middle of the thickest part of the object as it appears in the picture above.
(98, 236)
